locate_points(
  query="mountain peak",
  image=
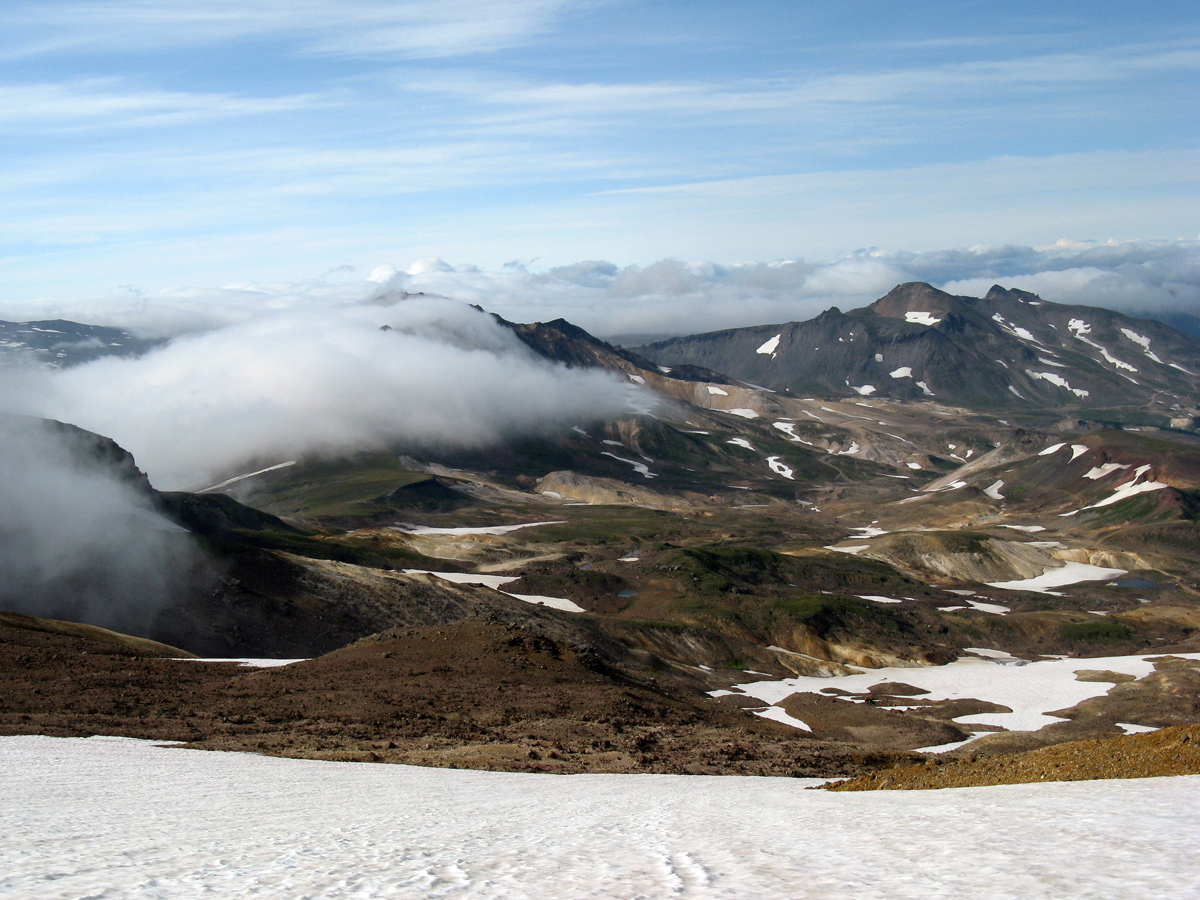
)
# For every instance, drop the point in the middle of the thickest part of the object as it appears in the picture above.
(999, 293)
(913, 297)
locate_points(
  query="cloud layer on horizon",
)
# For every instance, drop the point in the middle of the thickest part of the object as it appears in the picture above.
(674, 297)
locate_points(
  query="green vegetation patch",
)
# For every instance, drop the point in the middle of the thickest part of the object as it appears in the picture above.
(725, 568)
(577, 584)
(962, 541)
(224, 524)
(721, 568)
(1103, 632)
(839, 618)
(364, 487)
(603, 525)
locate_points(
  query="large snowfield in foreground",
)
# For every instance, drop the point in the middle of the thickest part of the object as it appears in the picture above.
(114, 817)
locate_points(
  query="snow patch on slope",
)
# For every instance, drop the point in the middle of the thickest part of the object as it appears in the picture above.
(1080, 328)
(921, 318)
(1143, 342)
(789, 428)
(780, 468)
(769, 348)
(641, 468)
(481, 529)
(1054, 379)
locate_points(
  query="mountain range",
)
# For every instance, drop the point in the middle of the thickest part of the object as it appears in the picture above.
(1007, 350)
(932, 478)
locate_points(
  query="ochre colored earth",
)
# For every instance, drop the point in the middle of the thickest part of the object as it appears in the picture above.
(1170, 751)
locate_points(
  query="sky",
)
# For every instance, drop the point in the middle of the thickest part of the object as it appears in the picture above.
(211, 150)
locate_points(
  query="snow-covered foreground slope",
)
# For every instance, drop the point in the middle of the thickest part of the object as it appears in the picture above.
(113, 817)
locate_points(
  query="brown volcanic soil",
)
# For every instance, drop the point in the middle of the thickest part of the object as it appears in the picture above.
(472, 694)
(1171, 751)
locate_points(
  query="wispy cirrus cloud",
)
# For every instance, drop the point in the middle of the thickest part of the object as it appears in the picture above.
(156, 143)
(404, 28)
(108, 103)
(803, 95)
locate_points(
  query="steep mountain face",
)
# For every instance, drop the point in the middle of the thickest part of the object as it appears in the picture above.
(59, 343)
(560, 341)
(1009, 349)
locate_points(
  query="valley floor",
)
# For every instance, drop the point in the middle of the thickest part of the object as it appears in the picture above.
(115, 817)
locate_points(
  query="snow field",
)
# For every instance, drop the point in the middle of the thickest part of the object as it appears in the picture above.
(1069, 573)
(237, 478)
(113, 817)
(496, 583)
(487, 529)
(1030, 690)
(248, 662)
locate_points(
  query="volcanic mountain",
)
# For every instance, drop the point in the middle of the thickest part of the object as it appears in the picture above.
(1009, 349)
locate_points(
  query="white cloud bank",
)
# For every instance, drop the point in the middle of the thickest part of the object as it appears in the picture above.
(317, 381)
(675, 297)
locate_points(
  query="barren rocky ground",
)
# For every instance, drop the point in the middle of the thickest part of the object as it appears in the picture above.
(474, 694)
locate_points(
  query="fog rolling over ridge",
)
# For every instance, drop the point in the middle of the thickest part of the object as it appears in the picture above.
(421, 372)
(77, 529)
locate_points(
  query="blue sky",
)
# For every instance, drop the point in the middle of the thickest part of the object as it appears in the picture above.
(160, 146)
